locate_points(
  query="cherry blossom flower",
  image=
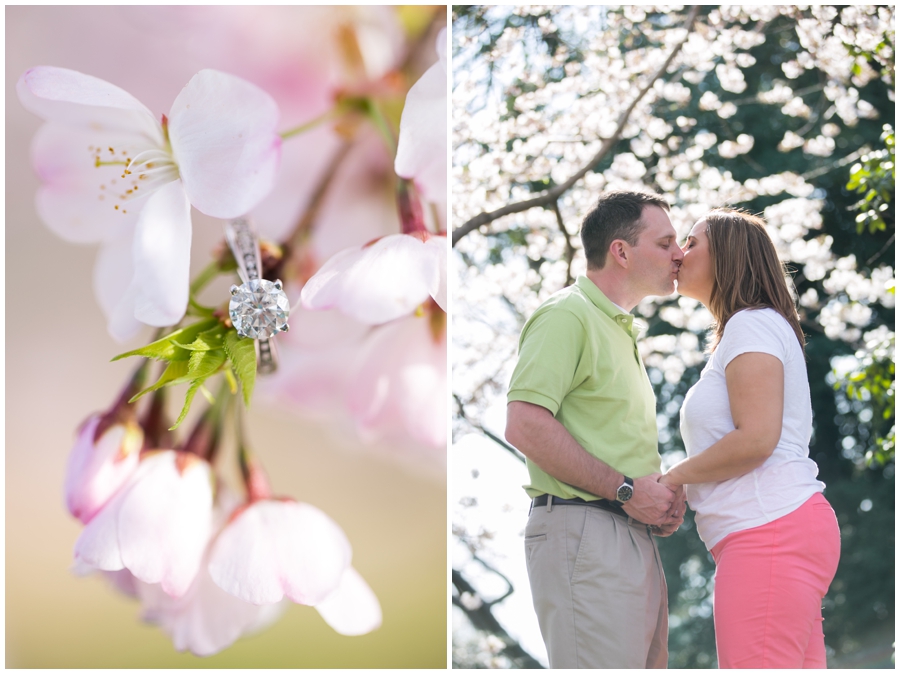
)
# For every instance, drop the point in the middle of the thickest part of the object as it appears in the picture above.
(157, 526)
(389, 277)
(112, 173)
(277, 548)
(100, 464)
(206, 619)
(422, 148)
(382, 280)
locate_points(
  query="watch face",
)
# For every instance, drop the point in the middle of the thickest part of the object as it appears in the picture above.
(625, 492)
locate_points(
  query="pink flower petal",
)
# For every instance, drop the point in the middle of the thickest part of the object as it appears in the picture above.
(98, 544)
(422, 147)
(114, 285)
(280, 548)
(77, 198)
(352, 609)
(162, 256)
(165, 521)
(222, 130)
(76, 99)
(206, 619)
(316, 359)
(439, 253)
(96, 471)
(122, 325)
(114, 269)
(377, 283)
(401, 383)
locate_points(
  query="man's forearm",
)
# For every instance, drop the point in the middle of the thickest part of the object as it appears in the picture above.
(538, 435)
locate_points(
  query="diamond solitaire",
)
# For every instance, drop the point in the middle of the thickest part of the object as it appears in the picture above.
(259, 309)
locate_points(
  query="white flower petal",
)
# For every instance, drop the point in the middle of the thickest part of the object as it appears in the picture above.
(114, 269)
(440, 252)
(422, 147)
(280, 548)
(77, 198)
(206, 619)
(76, 99)
(162, 256)
(98, 544)
(164, 522)
(222, 130)
(122, 324)
(378, 283)
(352, 609)
(401, 382)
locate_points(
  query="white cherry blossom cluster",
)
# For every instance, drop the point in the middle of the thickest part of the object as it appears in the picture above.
(207, 565)
(557, 126)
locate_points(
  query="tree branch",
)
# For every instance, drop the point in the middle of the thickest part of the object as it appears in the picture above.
(483, 619)
(553, 194)
(570, 249)
(500, 441)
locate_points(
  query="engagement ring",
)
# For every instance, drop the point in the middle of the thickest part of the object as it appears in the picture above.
(258, 308)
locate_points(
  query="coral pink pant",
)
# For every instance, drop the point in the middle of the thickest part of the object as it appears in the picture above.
(770, 582)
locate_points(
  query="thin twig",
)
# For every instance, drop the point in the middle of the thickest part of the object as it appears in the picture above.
(304, 225)
(881, 252)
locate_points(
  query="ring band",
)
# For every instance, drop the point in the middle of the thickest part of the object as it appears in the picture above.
(245, 248)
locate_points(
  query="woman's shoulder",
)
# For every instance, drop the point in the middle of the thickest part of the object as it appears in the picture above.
(758, 330)
(763, 318)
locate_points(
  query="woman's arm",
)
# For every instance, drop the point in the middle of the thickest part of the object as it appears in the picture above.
(755, 384)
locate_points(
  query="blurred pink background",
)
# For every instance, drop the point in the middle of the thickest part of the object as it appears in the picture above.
(58, 369)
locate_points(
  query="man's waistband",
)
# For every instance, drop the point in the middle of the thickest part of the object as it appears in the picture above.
(603, 504)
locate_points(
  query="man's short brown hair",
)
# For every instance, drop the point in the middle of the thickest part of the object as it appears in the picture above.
(617, 215)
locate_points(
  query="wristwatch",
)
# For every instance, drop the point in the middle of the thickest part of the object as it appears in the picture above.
(626, 491)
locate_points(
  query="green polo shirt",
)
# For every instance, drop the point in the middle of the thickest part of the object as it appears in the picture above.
(578, 358)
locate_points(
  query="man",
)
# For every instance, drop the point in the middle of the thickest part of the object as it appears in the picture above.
(582, 410)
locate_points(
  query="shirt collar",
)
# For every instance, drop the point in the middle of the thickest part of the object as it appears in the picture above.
(622, 318)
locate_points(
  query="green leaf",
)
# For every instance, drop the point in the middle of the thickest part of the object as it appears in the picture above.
(203, 364)
(207, 340)
(188, 399)
(242, 354)
(167, 348)
(173, 374)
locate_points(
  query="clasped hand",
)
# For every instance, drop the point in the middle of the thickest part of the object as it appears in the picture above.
(657, 503)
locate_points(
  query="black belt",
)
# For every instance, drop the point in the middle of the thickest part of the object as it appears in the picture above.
(603, 504)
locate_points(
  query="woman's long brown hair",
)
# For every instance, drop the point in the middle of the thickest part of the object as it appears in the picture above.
(747, 273)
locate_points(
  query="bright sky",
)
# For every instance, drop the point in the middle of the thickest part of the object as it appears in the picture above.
(502, 508)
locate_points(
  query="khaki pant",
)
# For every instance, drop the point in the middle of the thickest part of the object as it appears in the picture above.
(598, 589)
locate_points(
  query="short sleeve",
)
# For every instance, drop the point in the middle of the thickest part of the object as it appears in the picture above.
(755, 331)
(551, 352)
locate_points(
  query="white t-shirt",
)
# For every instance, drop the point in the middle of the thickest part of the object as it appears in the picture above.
(788, 477)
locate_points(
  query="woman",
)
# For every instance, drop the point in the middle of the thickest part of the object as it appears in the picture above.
(746, 427)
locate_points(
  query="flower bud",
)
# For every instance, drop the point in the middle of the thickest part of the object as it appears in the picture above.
(100, 463)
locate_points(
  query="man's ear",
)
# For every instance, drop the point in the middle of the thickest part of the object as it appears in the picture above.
(620, 253)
